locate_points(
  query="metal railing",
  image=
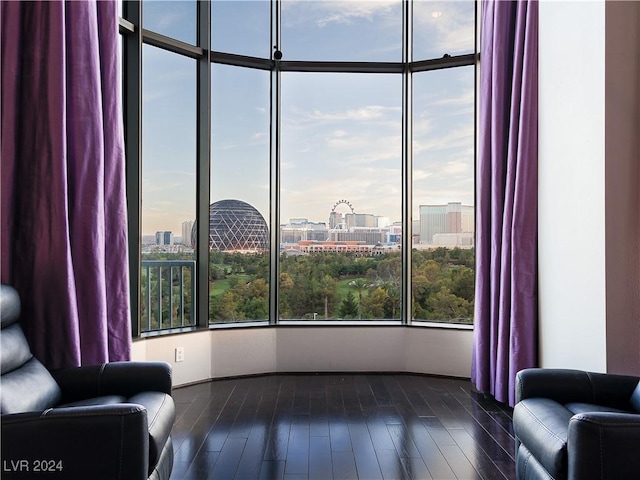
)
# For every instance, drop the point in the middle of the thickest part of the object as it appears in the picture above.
(167, 295)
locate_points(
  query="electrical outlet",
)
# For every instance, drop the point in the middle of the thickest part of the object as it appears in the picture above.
(179, 354)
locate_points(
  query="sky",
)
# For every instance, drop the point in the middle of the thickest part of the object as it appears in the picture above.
(341, 133)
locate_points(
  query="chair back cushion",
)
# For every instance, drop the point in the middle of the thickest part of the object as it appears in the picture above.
(15, 350)
(635, 398)
(9, 305)
(26, 384)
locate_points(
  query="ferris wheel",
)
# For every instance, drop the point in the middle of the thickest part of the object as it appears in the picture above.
(335, 219)
(344, 202)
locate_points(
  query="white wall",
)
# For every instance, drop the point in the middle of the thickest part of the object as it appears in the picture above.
(197, 354)
(571, 185)
(309, 349)
(439, 351)
(242, 351)
(247, 351)
(588, 185)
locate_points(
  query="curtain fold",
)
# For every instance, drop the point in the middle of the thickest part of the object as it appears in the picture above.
(506, 305)
(64, 222)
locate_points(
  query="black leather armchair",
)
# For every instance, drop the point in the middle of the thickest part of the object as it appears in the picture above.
(110, 421)
(576, 425)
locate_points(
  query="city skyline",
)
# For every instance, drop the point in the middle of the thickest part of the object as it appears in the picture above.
(453, 217)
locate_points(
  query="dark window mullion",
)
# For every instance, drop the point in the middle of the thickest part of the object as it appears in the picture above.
(407, 164)
(171, 44)
(132, 102)
(444, 62)
(274, 157)
(236, 60)
(341, 67)
(203, 152)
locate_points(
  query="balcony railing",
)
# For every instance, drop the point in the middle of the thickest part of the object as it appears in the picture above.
(167, 295)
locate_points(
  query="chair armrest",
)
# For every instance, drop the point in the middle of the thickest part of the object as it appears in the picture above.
(97, 442)
(566, 386)
(116, 378)
(604, 445)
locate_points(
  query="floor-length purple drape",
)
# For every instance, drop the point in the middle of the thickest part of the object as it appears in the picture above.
(506, 263)
(64, 222)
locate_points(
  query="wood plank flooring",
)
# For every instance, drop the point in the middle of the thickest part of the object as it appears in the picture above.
(332, 426)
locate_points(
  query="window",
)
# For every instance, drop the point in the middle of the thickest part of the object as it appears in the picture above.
(443, 192)
(446, 27)
(239, 212)
(333, 183)
(174, 19)
(241, 27)
(356, 31)
(168, 186)
(340, 194)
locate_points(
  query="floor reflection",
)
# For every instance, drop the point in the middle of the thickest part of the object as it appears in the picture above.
(340, 426)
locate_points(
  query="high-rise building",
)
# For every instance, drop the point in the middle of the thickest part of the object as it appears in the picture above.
(336, 220)
(164, 238)
(301, 229)
(382, 222)
(452, 218)
(360, 220)
(187, 226)
(394, 233)
(368, 235)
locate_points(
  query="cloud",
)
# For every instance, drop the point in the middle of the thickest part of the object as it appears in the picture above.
(162, 22)
(464, 99)
(365, 168)
(418, 175)
(455, 138)
(369, 189)
(325, 13)
(363, 148)
(357, 136)
(456, 167)
(167, 77)
(240, 143)
(365, 113)
(341, 123)
(448, 26)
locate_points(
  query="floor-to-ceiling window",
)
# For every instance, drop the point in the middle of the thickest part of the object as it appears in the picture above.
(443, 159)
(340, 191)
(325, 172)
(168, 177)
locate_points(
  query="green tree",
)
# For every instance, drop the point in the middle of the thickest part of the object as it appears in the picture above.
(228, 307)
(286, 285)
(389, 269)
(329, 289)
(256, 308)
(348, 307)
(463, 284)
(392, 302)
(360, 285)
(449, 307)
(255, 300)
(373, 304)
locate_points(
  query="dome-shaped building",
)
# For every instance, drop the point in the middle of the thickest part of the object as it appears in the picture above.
(235, 226)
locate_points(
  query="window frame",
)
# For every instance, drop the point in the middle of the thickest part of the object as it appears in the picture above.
(135, 36)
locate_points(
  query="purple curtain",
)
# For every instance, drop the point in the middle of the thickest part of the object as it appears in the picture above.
(506, 312)
(64, 228)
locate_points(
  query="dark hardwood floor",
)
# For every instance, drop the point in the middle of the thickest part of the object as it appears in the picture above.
(331, 426)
